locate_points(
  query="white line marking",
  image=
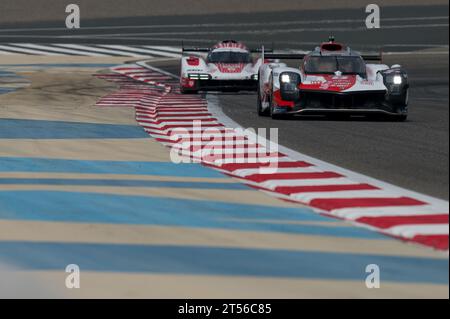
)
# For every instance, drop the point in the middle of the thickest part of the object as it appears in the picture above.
(308, 197)
(272, 184)
(165, 48)
(417, 53)
(58, 50)
(9, 53)
(139, 50)
(409, 231)
(167, 54)
(145, 65)
(355, 213)
(29, 51)
(245, 24)
(270, 31)
(94, 49)
(251, 171)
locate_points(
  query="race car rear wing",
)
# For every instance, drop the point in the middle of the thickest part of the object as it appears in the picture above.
(270, 54)
(373, 57)
(285, 56)
(193, 49)
(262, 49)
(300, 56)
(200, 49)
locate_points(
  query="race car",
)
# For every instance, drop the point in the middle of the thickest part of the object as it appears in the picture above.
(332, 79)
(227, 66)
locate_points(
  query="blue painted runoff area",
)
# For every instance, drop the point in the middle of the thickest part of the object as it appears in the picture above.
(10, 74)
(39, 129)
(61, 206)
(121, 183)
(221, 261)
(44, 165)
(7, 90)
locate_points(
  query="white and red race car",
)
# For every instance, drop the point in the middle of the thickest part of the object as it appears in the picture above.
(332, 79)
(228, 66)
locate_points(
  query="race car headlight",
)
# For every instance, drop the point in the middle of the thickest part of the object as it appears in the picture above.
(289, 82)
(289, 79)
(255, 77)
(397, 79)
(285, 78)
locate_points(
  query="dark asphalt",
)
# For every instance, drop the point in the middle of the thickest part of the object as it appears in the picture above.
(403, 28)
(414, 154)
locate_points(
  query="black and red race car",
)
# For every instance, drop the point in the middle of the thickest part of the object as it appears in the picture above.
(332, 79)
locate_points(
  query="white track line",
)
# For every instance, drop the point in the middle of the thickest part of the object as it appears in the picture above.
(10, 53)
(308, 197)
(59, 50)
(409, 231)
(139, 50)
(242, 24)
(101, 50)
(165, 48)
(28, 51)
(355, 213)
(271, 31)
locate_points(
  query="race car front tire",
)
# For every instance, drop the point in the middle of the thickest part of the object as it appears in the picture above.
(273, 114)
(401, 118)
(259, 108)
(401, 106)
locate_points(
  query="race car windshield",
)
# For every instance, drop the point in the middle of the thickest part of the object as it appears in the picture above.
(229, 57)
(332, 64)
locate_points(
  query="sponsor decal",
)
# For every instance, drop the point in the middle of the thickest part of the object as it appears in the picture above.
(330, 83)
(230, 68)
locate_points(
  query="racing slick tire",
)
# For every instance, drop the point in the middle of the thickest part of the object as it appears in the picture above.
(401, 118)
(274, 115)
(259, 109)
(402, 106)
(187, 91)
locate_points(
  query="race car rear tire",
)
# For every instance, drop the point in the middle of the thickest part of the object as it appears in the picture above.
(187, 91)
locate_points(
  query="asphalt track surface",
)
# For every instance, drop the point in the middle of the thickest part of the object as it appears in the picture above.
(403, 28)
(413, 154)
